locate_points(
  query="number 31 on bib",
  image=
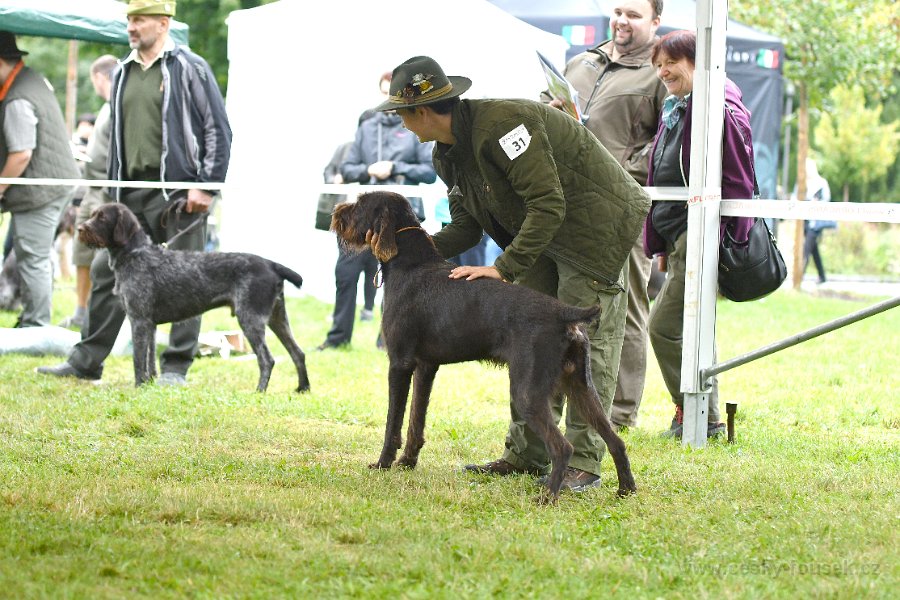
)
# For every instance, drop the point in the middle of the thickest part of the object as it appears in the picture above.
(515, 142)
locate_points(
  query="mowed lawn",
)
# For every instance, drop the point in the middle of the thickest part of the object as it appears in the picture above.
(215, 491)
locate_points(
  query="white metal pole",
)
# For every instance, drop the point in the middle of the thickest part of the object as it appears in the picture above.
(704, 194)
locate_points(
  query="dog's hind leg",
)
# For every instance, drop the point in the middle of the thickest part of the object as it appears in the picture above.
(279, 323)
(531, 391)
(583, 395)
(255, 330)
(423, 380)
(398, 390)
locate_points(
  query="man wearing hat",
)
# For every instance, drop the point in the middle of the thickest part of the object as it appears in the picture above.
(33, 144)
(167, 123)
(563, 210)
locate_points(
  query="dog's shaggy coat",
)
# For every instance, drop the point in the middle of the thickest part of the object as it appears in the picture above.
(158, 285)
(430, 320)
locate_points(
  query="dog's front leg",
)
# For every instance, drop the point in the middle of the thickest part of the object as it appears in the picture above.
(423, 380)
(142, 333)
(398, 390)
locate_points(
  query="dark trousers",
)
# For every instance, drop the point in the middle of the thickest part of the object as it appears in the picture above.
(811, 249)
(347, 270)
(105, 311)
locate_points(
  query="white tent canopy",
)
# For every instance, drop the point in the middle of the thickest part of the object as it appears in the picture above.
(298, 81)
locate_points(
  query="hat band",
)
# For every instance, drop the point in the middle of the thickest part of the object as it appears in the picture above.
(436, 93)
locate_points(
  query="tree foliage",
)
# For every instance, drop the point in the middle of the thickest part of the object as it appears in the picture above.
(855, 145)
(831, 42)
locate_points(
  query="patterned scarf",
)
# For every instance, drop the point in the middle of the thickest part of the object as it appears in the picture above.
(671, 113)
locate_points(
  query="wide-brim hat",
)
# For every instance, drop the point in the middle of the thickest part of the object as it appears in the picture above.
(420, 81)
(151, 7)
(8, 47)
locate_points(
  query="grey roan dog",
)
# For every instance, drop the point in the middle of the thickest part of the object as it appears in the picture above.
(430, 320)
(158, 285)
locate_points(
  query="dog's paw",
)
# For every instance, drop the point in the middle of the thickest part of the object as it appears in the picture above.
(379, 465)
(405, 462)
(624, 492)
(546, 498)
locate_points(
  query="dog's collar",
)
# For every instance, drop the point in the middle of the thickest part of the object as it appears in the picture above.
(402, 229)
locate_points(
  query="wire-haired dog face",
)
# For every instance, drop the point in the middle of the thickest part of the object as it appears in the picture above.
(372, 222)
(111, 226)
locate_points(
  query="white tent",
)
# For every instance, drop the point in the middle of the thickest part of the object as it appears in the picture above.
(299, 79)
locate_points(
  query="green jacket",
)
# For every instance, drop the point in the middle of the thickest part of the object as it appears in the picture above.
(538, 183)
(622, 101)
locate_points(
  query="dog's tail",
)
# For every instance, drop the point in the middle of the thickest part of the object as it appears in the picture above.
(288, 274)
(579, 387)
(575, 314)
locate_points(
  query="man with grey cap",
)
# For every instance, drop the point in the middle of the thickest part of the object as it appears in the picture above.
(33, 144)
(167, 123)
(563, 210)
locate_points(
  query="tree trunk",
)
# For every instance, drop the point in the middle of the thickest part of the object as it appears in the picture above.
(846, 192)
(802, 152)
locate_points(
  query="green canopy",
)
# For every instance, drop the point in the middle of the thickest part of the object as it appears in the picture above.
(88, 20)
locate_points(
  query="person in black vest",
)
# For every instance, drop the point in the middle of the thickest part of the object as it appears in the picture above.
(33, 143)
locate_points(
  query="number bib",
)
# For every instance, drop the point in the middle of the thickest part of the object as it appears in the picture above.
(515, 143)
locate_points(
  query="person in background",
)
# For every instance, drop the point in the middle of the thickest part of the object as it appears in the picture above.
(33, 144)
(383, 152)
(622, 98)
(562, 208)
(167, 123)
(97, 152)
(665, 230)
(818, 190)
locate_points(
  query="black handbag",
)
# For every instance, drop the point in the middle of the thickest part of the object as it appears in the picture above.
(752, 269)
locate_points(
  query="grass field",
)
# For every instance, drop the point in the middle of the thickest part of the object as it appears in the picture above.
(215, 491)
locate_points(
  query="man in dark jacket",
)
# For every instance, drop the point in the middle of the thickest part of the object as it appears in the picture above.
(382, 153)
(559, 204)
(168, 123)
(33, 143)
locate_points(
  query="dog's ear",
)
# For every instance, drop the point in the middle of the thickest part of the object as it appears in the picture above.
(127, 227)
(382, 237)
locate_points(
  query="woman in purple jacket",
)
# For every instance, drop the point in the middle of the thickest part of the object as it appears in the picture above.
(666, 224)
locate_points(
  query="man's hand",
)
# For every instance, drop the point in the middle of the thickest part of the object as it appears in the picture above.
(471, 273)
(557, 103)
(198, 201)
(381, 170)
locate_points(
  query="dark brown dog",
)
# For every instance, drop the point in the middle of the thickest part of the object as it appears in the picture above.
(158, 285)
(430, 320)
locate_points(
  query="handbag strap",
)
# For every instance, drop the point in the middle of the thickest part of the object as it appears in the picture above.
(756, 193)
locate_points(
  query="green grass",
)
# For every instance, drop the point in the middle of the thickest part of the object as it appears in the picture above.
(215, 491)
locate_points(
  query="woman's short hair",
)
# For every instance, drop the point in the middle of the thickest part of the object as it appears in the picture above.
(677, 44)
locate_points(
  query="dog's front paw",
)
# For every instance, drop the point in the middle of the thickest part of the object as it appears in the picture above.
(546, 498)
(380, 465)
(405, 462)
(624, 492)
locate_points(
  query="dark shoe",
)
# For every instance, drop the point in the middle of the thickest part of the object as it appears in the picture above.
(714, 430)
(67, 370)
(326, 345)
(172, 379)
(73, 322)
(676, 431)
(501, 468)
(575, 480)
(677, 426)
